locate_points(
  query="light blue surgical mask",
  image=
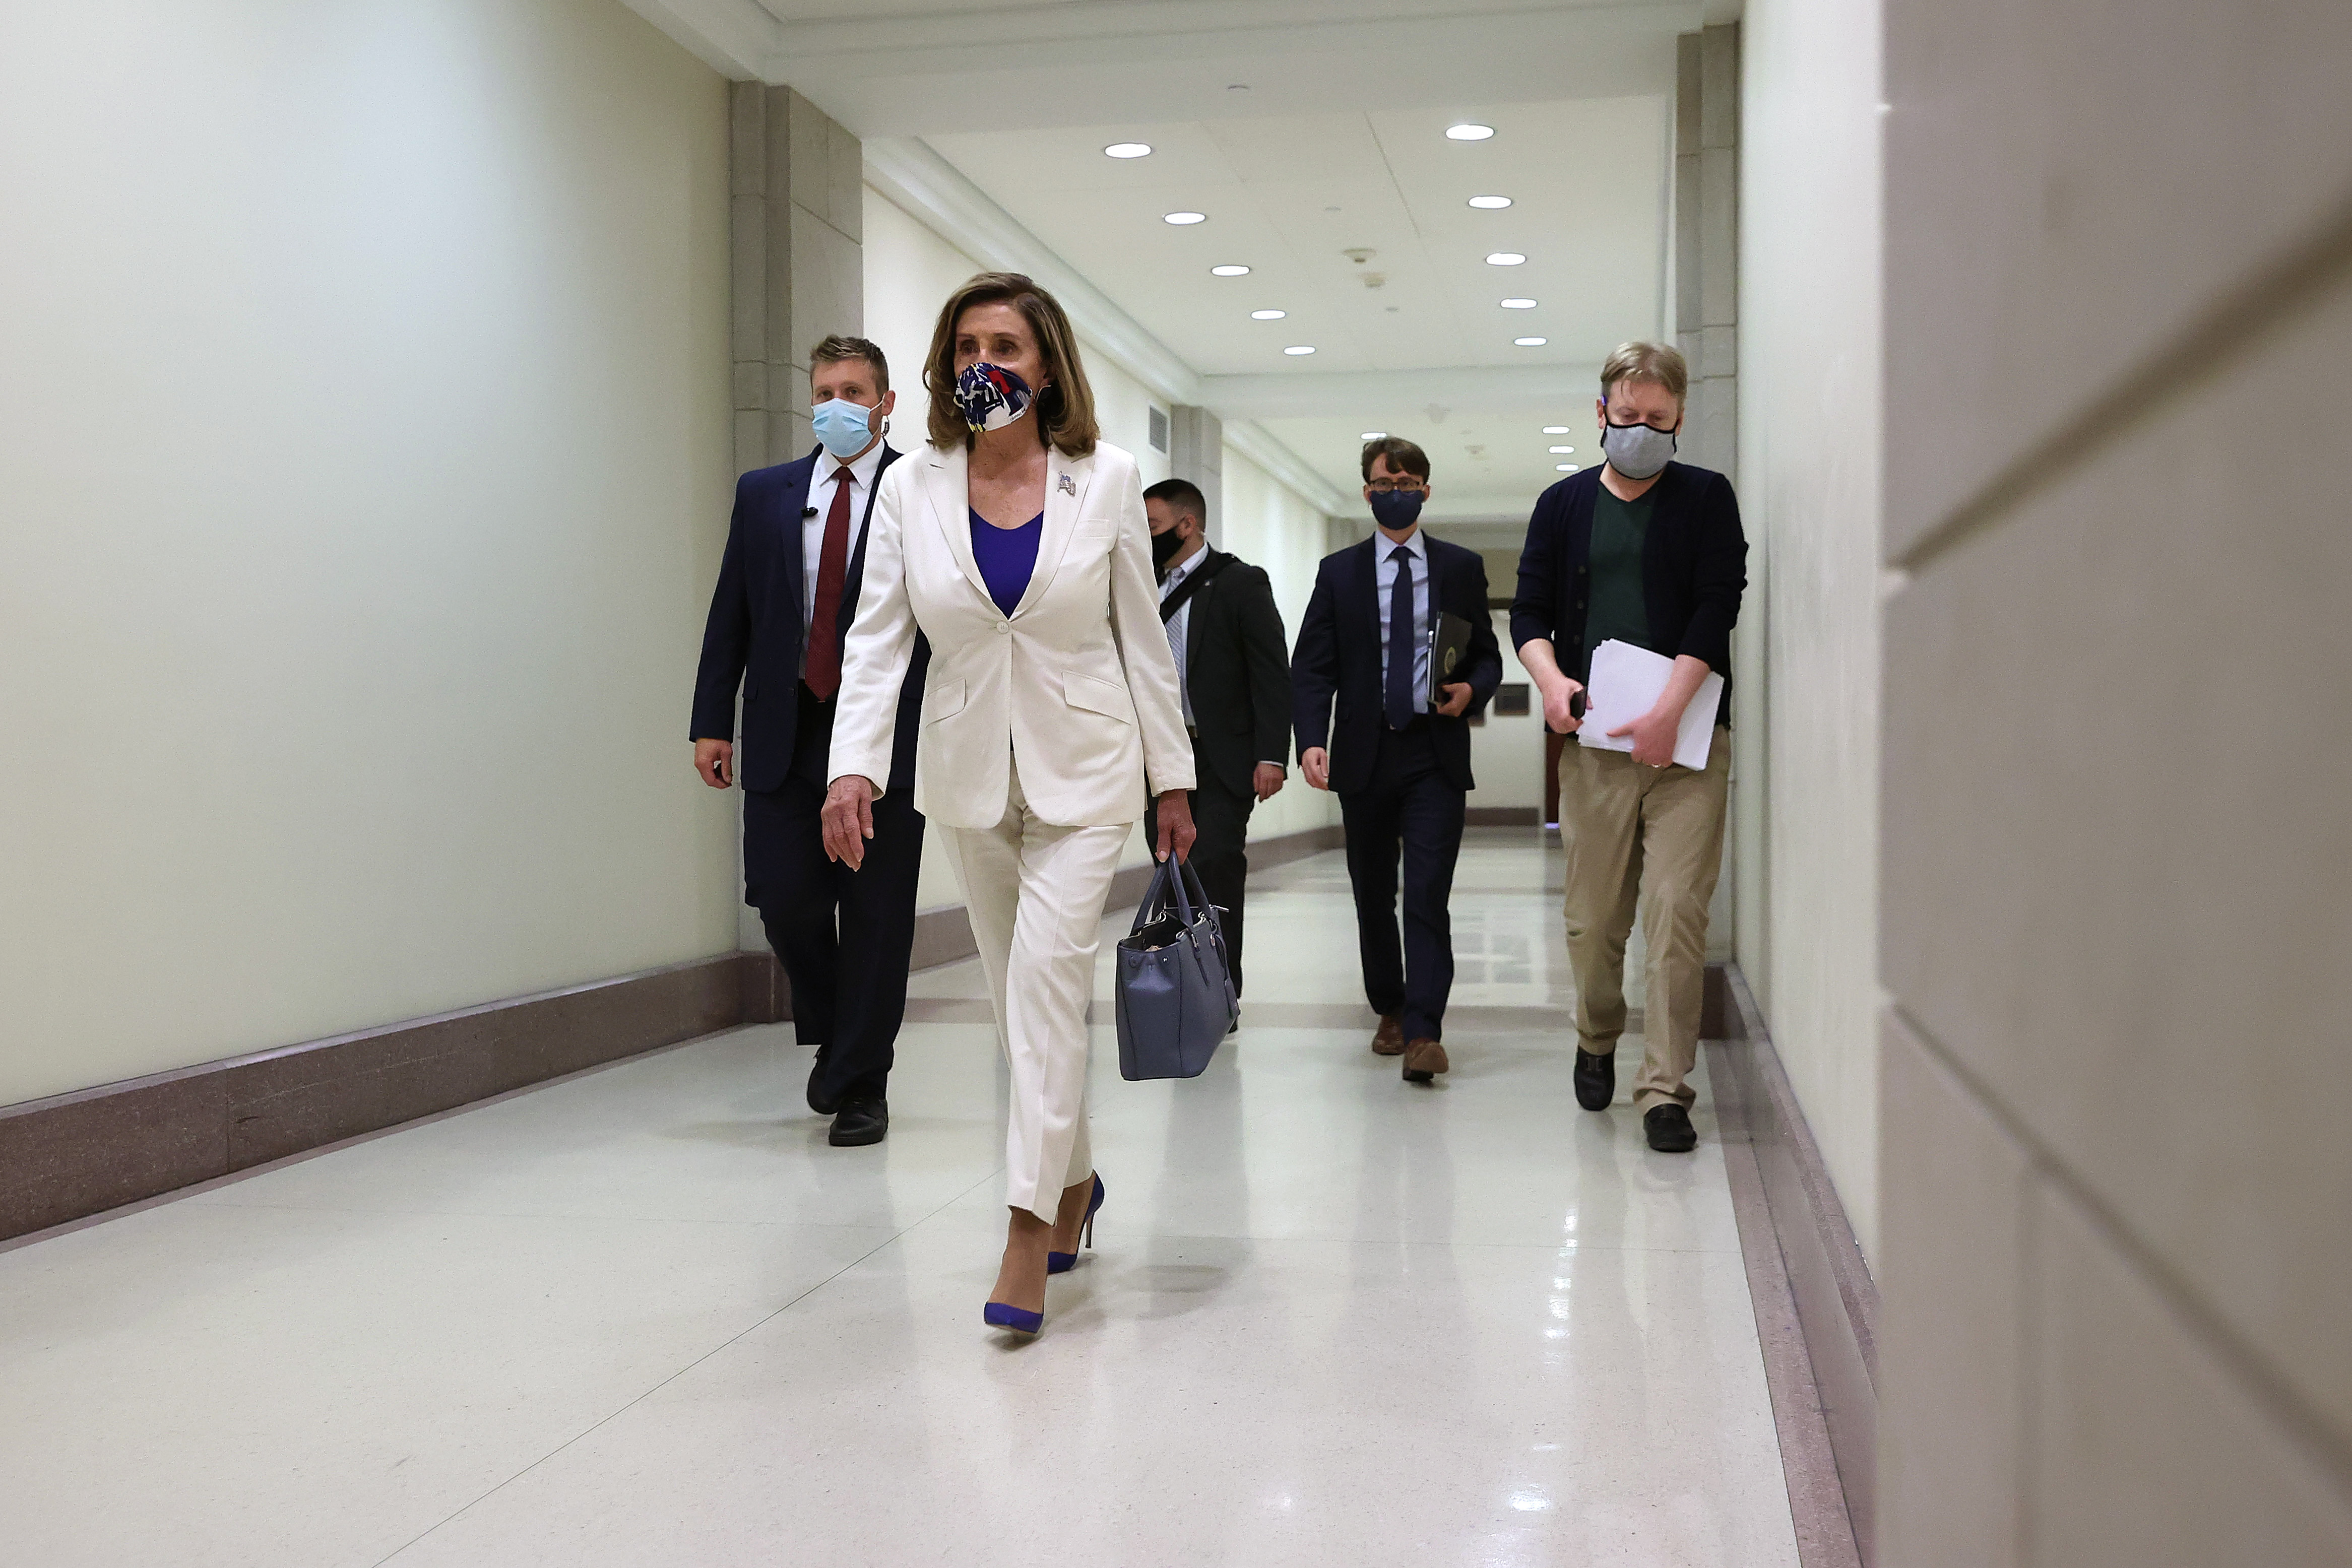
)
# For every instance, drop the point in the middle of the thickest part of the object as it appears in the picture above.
(845, 427)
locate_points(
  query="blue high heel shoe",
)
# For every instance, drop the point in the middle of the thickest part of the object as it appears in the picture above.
(1063, 1262)
(997, 1315)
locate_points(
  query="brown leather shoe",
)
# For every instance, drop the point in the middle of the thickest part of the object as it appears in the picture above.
(1389, 1039)
(1423, 1060)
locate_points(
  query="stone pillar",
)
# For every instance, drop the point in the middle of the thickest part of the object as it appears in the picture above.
(798, 236)
(1196, 451)
(1706, 329)
(1706, 241)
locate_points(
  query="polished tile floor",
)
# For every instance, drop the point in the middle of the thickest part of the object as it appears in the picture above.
(646, 1317)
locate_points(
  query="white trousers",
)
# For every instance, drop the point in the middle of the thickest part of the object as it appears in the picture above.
(1034, 892)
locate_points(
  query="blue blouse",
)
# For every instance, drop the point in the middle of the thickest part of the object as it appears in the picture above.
(1006, 557)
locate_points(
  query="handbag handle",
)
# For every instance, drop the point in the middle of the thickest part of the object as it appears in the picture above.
(1155, 897)
(1188, 877)
(1171, 876)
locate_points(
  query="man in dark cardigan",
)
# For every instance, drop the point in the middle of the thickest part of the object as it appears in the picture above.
(1647, 551)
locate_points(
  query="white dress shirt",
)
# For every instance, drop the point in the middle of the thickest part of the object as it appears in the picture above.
(1384, 573)
(1180, 627)
(820, 495)
(1179, 637)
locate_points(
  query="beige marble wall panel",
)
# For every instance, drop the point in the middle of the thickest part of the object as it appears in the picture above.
(1952, 1352)
(2148, 1448)
(2073, 181)
(2116, 843)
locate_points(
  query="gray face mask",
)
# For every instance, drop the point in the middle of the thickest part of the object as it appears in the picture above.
(1636, 451)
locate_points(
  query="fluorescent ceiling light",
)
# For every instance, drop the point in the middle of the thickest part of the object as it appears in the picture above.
(1555, 430)
(1181, 218)
(1231, 269)
(1268, 314)
(1127, 149)
(1468, 132)
(1374, 435)
(1518, 304)
(1529, 342)
(1489, 203)
(1564, 467)
(1299, 348)
(1505, 259)
(1561, 450)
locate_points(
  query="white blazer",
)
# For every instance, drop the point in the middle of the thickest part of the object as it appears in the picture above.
(1077, 684)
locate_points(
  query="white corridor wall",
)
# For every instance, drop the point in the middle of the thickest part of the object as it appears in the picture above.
(1810, 417)
(363, 466)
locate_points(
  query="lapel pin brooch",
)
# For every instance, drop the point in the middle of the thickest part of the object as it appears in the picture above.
(1069, 486)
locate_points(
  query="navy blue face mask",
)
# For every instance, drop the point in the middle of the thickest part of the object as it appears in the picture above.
(1397, 510)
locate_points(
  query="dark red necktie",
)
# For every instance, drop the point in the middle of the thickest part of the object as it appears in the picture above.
(832, 567)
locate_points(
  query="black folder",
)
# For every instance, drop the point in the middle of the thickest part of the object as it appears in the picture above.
(1449, 649)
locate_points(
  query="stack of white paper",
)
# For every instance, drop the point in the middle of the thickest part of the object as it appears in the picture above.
(1626, 683)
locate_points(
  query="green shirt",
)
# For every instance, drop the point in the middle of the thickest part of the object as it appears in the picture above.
(1618, 607)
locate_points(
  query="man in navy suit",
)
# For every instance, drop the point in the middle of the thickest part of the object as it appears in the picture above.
(1398, 755)
(787, 592)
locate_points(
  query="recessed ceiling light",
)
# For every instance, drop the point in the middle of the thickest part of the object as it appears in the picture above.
(1374, 435)
(1127, 149)
(1564, 467)
(1231, 269)
(1299, 348)
(1561, 450)
(1505, 259)
(1268, 314)
(1468, 132)
(1529, 342)
(1555, 430)
(1186, 218)
(1488, 204)
(1518, 304)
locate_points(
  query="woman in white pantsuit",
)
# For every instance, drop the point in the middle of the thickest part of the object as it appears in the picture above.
(1016, 541)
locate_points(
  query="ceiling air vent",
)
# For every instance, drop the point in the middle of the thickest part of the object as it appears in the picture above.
(1159, 430)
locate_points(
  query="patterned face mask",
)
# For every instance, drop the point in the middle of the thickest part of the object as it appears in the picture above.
(991, 396)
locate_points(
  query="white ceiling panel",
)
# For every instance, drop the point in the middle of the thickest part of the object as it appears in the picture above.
(1293, 196)
(1483, 462)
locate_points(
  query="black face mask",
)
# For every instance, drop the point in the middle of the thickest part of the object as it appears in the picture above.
(1164, 547)
(1397, 510)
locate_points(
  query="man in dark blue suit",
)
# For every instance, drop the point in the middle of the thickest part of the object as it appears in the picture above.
(788, 590)
(1399, 754)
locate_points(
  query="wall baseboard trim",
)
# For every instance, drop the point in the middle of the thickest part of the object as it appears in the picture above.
(1502, 816)
(943, 932)
(1816, 1304)
(72, 1156)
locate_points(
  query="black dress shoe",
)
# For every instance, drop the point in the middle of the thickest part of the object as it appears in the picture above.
(1670, 1129)
(861, 1122)
(1596, 1080)
(822, 1103)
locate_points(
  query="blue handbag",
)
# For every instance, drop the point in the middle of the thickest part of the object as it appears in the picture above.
(1175, 989)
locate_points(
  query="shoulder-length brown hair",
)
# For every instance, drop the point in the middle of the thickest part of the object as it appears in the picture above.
(1064, 410)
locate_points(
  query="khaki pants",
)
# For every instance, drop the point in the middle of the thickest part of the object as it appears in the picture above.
(1618, 820)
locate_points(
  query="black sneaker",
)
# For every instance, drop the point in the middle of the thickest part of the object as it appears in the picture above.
(1670, 1130)
(1596, 1080)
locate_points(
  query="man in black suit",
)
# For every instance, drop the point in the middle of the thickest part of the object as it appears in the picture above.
(787, 592)
(1233, 666)
(1398, 755)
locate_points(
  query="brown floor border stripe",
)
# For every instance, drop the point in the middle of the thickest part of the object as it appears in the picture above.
(1816, 1304)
